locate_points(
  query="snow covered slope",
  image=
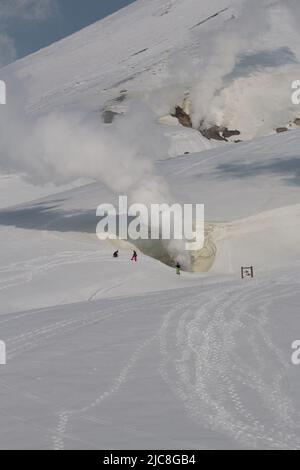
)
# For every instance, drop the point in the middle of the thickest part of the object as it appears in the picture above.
(102, 352)
(105, 353)
(129, 49)
(236, 59)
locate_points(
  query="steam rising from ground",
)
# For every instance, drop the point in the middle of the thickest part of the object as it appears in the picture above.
(233, 78)
(239, 34)
(240, 73)
(62, 146)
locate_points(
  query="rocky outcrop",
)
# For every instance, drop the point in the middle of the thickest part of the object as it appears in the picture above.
(114, 107)
(184, 118)
(108, 116)
(227, 133)
(218, 133)
(212, 133)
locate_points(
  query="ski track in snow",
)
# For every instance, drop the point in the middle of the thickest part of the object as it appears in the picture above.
(19, 344)
(119, 282)
(21, 273)
(202, 367)
(210, 341)
(215, 366)
(199, 362)
(65, 416)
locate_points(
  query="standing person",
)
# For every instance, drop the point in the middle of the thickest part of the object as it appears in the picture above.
(116, 254)
(178, 269)
(134, 257)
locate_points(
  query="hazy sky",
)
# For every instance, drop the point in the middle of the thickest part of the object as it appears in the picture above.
(29, 25)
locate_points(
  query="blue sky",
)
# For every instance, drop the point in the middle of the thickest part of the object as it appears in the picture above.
(28, 25)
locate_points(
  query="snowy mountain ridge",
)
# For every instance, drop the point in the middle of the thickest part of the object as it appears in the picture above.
(107, 353)
(159, 51)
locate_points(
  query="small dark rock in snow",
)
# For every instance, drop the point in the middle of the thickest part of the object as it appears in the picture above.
(108, 116)
(228, 133)
(218, 133)
(213, 133)
(297, 122)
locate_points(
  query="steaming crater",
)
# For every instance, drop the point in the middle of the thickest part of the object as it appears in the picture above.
(81, 227)
(194, 261)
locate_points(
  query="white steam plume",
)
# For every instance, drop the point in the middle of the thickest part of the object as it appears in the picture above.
(238, 35)
(62, 146)
(241, 71)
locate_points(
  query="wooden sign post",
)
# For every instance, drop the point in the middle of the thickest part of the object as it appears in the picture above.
(247, 272)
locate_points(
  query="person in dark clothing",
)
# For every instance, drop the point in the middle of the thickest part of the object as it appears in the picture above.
(178, 269)
(116, 254)
(134, 257)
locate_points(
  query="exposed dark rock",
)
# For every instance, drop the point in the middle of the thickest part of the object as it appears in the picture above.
(183, 117)
(120, 98)
(228, 133)
(218, 133)
(297, 122)
(108, 116)
(279, 130)
(209, 18)
(213, 133)
(140, 52)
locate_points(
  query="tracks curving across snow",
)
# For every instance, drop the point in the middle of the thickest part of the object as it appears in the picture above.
(217, 355)
(224, 383)
(64, 416)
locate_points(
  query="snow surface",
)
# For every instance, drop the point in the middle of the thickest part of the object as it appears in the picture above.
(240, 57)
(105, 353)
